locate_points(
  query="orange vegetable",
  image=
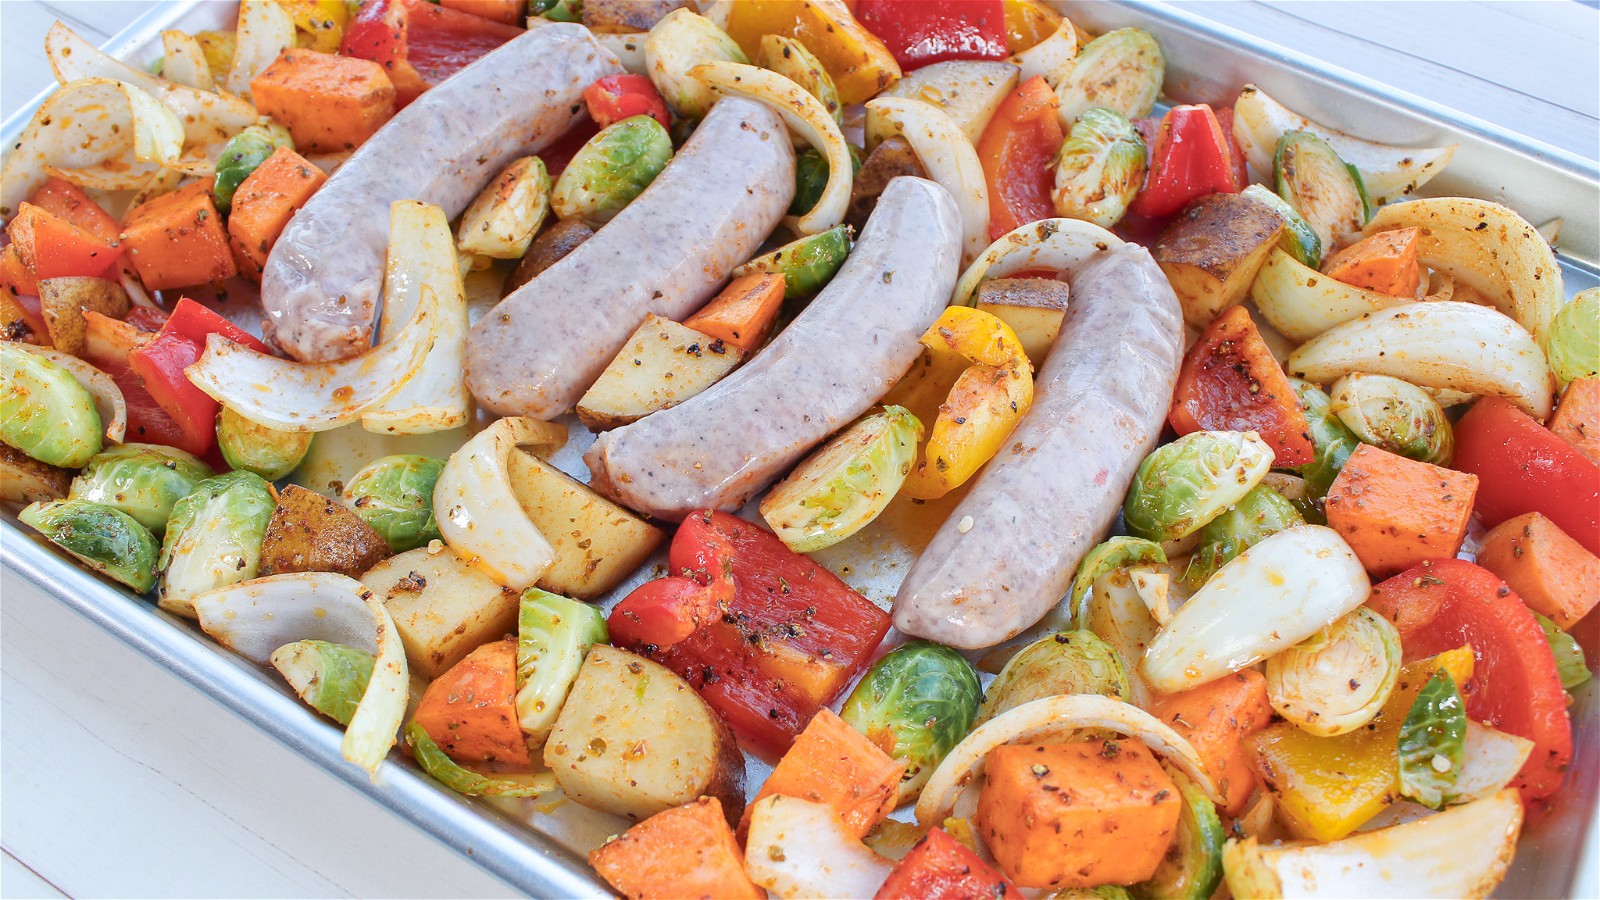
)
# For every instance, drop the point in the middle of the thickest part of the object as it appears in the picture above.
(49, 246)
(470, 712)
(1016, 149)
(108, 341)
(1552, 573)
(686, 851)
(1577, 418)
(743, 313)
(1077, 815)
(1217, 718)
(858, 61)
(832, 763)
(1387, 263)
(267, 199)
(67, 200)
(328, 102)
(1028, 22)
(178, 240)
(19, 323)
(15, 277)
(509, 12)
(1396, 512)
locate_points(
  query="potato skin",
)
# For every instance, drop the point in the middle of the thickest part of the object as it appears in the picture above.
(546, 250)
(312, 533)
(1212, 251)
(887, 161)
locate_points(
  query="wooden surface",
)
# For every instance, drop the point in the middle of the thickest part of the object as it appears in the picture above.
(120, 780)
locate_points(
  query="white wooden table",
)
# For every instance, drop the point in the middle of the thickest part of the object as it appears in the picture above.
(120, 780)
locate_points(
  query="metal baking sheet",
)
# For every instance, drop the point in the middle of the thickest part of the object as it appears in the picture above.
(538, 848)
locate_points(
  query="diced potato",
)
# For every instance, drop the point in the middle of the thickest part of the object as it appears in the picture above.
(597, 542)
(887, 161)
(442, 607)
(546, 250)
(1033, 307)
(628, 15)
(63, 301)
(968, 91)
(312, 533)
(1212, 251)
(24, 479)
(634, 739)
(663, 364)
(503, 219)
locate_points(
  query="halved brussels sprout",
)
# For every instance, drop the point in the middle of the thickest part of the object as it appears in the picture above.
(1330, 438)
(790, 58)
(107, 540)
(811, 177)
(330, 678)
(1322, 188)
(504, 218)
(1119, 552)
(1299, 239)
(682, 40)
(243, 154)
(1187, 483)
(1262, 512)
(614, 167)
(1574, 344)
(1100, 168)
(1068, 662)
(463, 780)
(1433, 742)
(554, 633)
(1395, 415)
(1192, 866)
(394, 494)
(1120, 70)
(1336, 681)
(142, 480)
(261, 449)
(916, 703)
(44, 411)
(214, 538)
(1571, 666)
(807, 264)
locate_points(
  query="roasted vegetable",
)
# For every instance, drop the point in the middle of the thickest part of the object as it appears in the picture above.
(1034, 308)
(1069, 662)
(554, 634)
(1574, 343)
(1333, 441)
(243, 154)
(505, 216)
(546, 250)
(916, 703)
(394, 495)
(1570, 662)
(1299, 239)
(1396, 512)
(1120, 70)
(462, 780)
(1192, 867)
(811, 177)
(44, 411)
(806, 264)
(312, 533)
(143, 480)
(63, 301)
(1260, 513)
(469, 709)
(1394, 415)
(214, 538)
(1324, 189)
(662, 364)
(105, 539)
(967, 90)
(857, 59)
(1185, 484)
(1335, 681)
(744, 313)
(614, 167)
(1119, 552)
(1099, 168)
(1212, 251)
(443, 607)
(330, 678)
(269, 452)
(790, 58)
(892, 158)
(24, 479)
(1431, 742)
(682, 40)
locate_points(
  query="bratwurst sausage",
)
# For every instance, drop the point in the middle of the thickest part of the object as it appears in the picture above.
(1009, 550)
(320, 286)
(666, 253)
(855, 340)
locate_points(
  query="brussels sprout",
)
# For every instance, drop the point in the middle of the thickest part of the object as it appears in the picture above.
(1187, 483)
(142, 480)
(790, 58)
(330, 678)
(394, 494)
(462, 780)
(807, 264)
(257, 448)
(1299, 239)
(1120, 70)
(1433, 742)
(1332, 441)
(1336, 681)
(1324, 189)
(682, 40)
(1100, 168)
(557, 10)
(917, 702)
(1574, 342)
(1068, 662)
(1118, 552)
(1261, 513)
(811, 177)
(243, 154)
(841, 488)
(106, 539)
(1192, 866)
(1395, 415)
(44, 411)
(1570, 663)
(554, 634)
(613, 168)
(214, 538)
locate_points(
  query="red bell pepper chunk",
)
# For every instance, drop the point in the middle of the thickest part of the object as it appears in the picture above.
(420, 44)
(1523, 467)
(1443, 604)
(49, 246)
(67, 200)
(559, 154)
(1016, 150)
(160, 364)
(617, 97)
(661, 613)
(940, 867)
(1193, 156)
(195, 322)
(148, 423)
(1230, 382)
(924, 32)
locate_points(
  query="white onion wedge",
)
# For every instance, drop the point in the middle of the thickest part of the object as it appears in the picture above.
(1053, 719)
(1058, 244)
(422, 259)
(797, 848)
(1447, 345)
(479, 514)
(1389, 172)
(254, 618)
(1490, 759)
(806, 116)
(949, 157)
(1302, 303)
(1489, 248)
(1276, 594)
(108, 399)
(185, 61)
(629, 48)
(265, 30)
(1051, 57)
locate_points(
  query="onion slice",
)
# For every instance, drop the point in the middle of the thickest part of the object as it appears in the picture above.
(1051, 57)
(948, 156)
(265, 30)
(479, 513)
(108, 399)
(1053, 718)
(185, 61)
(1057, 244)
(1490, 759)
(254, 618)
(1302, 303)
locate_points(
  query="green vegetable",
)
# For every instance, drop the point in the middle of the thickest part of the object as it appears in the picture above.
(811, 177)
(1103, 892)
(1432, 742)
(1322, 188)
(1570, 662)
(142, 480)
(614, 167)
(554, 634)
(106, 539)
(790, 58)
(214, 538)
(243, 154)
(394, 494)
(1263, 512)
(257, 448)
(330, 678)
(841, 488)
(807, 264)
(919, 700)
(1068, 662)
(1395, 415)
(1187, 483)
(44, 411)
(452, 775)
(1120, 70)
(557, 10)
(1100, 168)
(1574, 342)
(1192, 867)
(1330, 438)
(1299, 238)
(1338, 679)
(678, 43)
(1118, 552)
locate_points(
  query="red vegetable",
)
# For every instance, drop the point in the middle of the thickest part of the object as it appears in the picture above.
(617, 97)
(661, 613)
(1230, 382)
(161, 361)
(1016, 149)
(557, 155)
(940, 867)
(49, 246)
(923, 32)
(67, 200)
(421, 44)
(1192, 157)
(1445, 603)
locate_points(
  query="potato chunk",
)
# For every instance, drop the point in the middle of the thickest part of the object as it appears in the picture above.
(312, 533)
(1033, 307)
(662, 365)
(1212, 251)
(443, 608)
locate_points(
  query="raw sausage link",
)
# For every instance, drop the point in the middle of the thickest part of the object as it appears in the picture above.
(855, 340)
(1009, 550)
(666, 253)
(321, 284)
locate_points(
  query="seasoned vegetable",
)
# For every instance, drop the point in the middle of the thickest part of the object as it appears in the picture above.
(799, 848)
(1100, 168)
(329, 677)
(790, 58)
(1120, 70)
(1069, 662)
(1324, 189)
(505, 216)
(1212, 251)
(243, 154)
(662, 364)
(811, 178)
(1552, 573)
(44, 411)
(269, 452)
(105, 539)
(554, 634)
(842, 487)
(214, 538)
(1385, 263)
(63, 302)
(1119, 552)
(1299, 239)
(264, 204)
(469, 709)
(1217, 719)
(329, 102)
(1574, 343)
(1192, 867)
(1577, 418)
(1396, 512)
(745, 311)
(1231, 382)
(1570, 662)
(1337, 680)
(309, 532)
(678, 43)
(967, 90)
(1431, 741)
(806, 264)
(24, 479)
(613, 168)
(1260, 513)
(1187, 483)
(547, 249)
(835, 764)
(916, 703)
(1033, 308)
(142, 480)
(462, 780)
(1394, 415)
(1333, 441)
(443, 607)
(685, 851)
(394, 495)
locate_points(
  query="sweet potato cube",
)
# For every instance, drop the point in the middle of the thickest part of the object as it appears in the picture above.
(832, 763)
(1395, 512)
(1552, 573)
(1216, 718)
(1577, 419)
(743, 313)
(686, 851)
(1387, 263)
(178, 240)
(470, 711)
(1077, 815)
(266, 200)
(328, 102)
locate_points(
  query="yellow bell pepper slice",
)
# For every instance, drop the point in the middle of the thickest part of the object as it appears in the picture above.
(859, 63)
(320, 23)
(218, 48)
(1028, 22)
